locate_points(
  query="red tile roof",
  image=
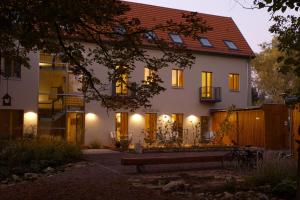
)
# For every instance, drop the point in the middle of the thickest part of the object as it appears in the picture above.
(224, 28)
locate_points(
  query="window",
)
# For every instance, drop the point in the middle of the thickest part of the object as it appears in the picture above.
(121, 120)
(12, 69)
(205, 42)
(120, 30)
(121, 85)
(234, 82)
(177, 119)
(177, 78)
(147, 73)
(51, 60)
(230, 45)
(150, 35)
(206, 84)
(176, 38)
(151, 125)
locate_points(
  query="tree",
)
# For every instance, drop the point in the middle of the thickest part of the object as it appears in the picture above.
(63, 26)
(287, 28)
(268, 79)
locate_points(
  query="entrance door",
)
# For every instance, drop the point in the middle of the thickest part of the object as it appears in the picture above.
(122, 126)
(75, 128)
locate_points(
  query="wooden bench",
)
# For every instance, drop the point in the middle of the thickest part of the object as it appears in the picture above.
(140, 162)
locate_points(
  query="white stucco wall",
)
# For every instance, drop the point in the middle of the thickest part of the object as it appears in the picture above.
(185, 100)
(24, 91)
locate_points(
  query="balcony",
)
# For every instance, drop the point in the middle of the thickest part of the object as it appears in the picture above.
(210, 94)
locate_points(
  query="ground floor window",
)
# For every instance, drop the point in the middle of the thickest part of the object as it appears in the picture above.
(151, 125)
(177, 119)
(11, 124)
(121, 126)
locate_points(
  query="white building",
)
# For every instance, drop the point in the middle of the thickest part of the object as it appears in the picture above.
(45, 100)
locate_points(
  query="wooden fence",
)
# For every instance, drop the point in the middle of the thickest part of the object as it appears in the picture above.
(264, 127)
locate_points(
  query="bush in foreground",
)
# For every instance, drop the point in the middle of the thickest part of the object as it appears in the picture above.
(23, 156)
(280, 174)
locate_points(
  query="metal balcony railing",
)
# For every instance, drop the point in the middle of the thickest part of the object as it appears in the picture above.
(210, 94)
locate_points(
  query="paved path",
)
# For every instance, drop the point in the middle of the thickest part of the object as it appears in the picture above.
(106, 179)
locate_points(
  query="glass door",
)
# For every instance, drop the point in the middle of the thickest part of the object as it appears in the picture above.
(121, 126)
(206, 84)
(75, 128)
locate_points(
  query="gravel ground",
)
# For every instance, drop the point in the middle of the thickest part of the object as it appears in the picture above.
(105, 179)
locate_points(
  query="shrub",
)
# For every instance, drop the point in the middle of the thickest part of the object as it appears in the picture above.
(285, 189)
(22, 156)
(273, 171)
(95, 145)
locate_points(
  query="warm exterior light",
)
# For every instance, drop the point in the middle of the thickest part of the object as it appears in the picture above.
(137, 118)
(193, 119)
(30, 117)
(91, 117)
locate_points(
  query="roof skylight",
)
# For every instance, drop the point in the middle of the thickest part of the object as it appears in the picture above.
(176, 38)
(205, 42)
(231, 45)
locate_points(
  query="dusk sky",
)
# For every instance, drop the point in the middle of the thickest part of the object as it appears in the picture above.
(254, 24)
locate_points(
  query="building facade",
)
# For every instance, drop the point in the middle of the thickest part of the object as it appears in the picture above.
(45, 100)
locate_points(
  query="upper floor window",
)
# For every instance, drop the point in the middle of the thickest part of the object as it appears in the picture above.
(53, 60)
(121, 85)
(176, 38)
(12, 69)
(150, 35)
(177, 78)
(205, 42)
(231, 45)
(207, 90)
(147, 74)
(234, 82)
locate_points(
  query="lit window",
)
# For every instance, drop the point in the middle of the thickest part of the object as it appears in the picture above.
(147, 73)
(121, 85)
(177, 78)
(234, 82)
(150, 35)
(151, 125)
(12, 69)
(176, 38)
(121, 127)
(177, 119)
(230, 45)
(206, 84)
(205, 42)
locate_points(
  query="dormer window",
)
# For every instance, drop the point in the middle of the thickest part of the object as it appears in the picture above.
(231, 45)
(150, 35)
(205, 42)
(176, 38)
(120, 30)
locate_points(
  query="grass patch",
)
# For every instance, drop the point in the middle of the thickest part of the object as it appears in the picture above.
(23, 156)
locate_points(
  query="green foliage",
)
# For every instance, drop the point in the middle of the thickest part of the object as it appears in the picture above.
(19, 157)
(268, 79)
(285, 189)
(31, 25)
(287, 29)
(273, 171)
(95, 145)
